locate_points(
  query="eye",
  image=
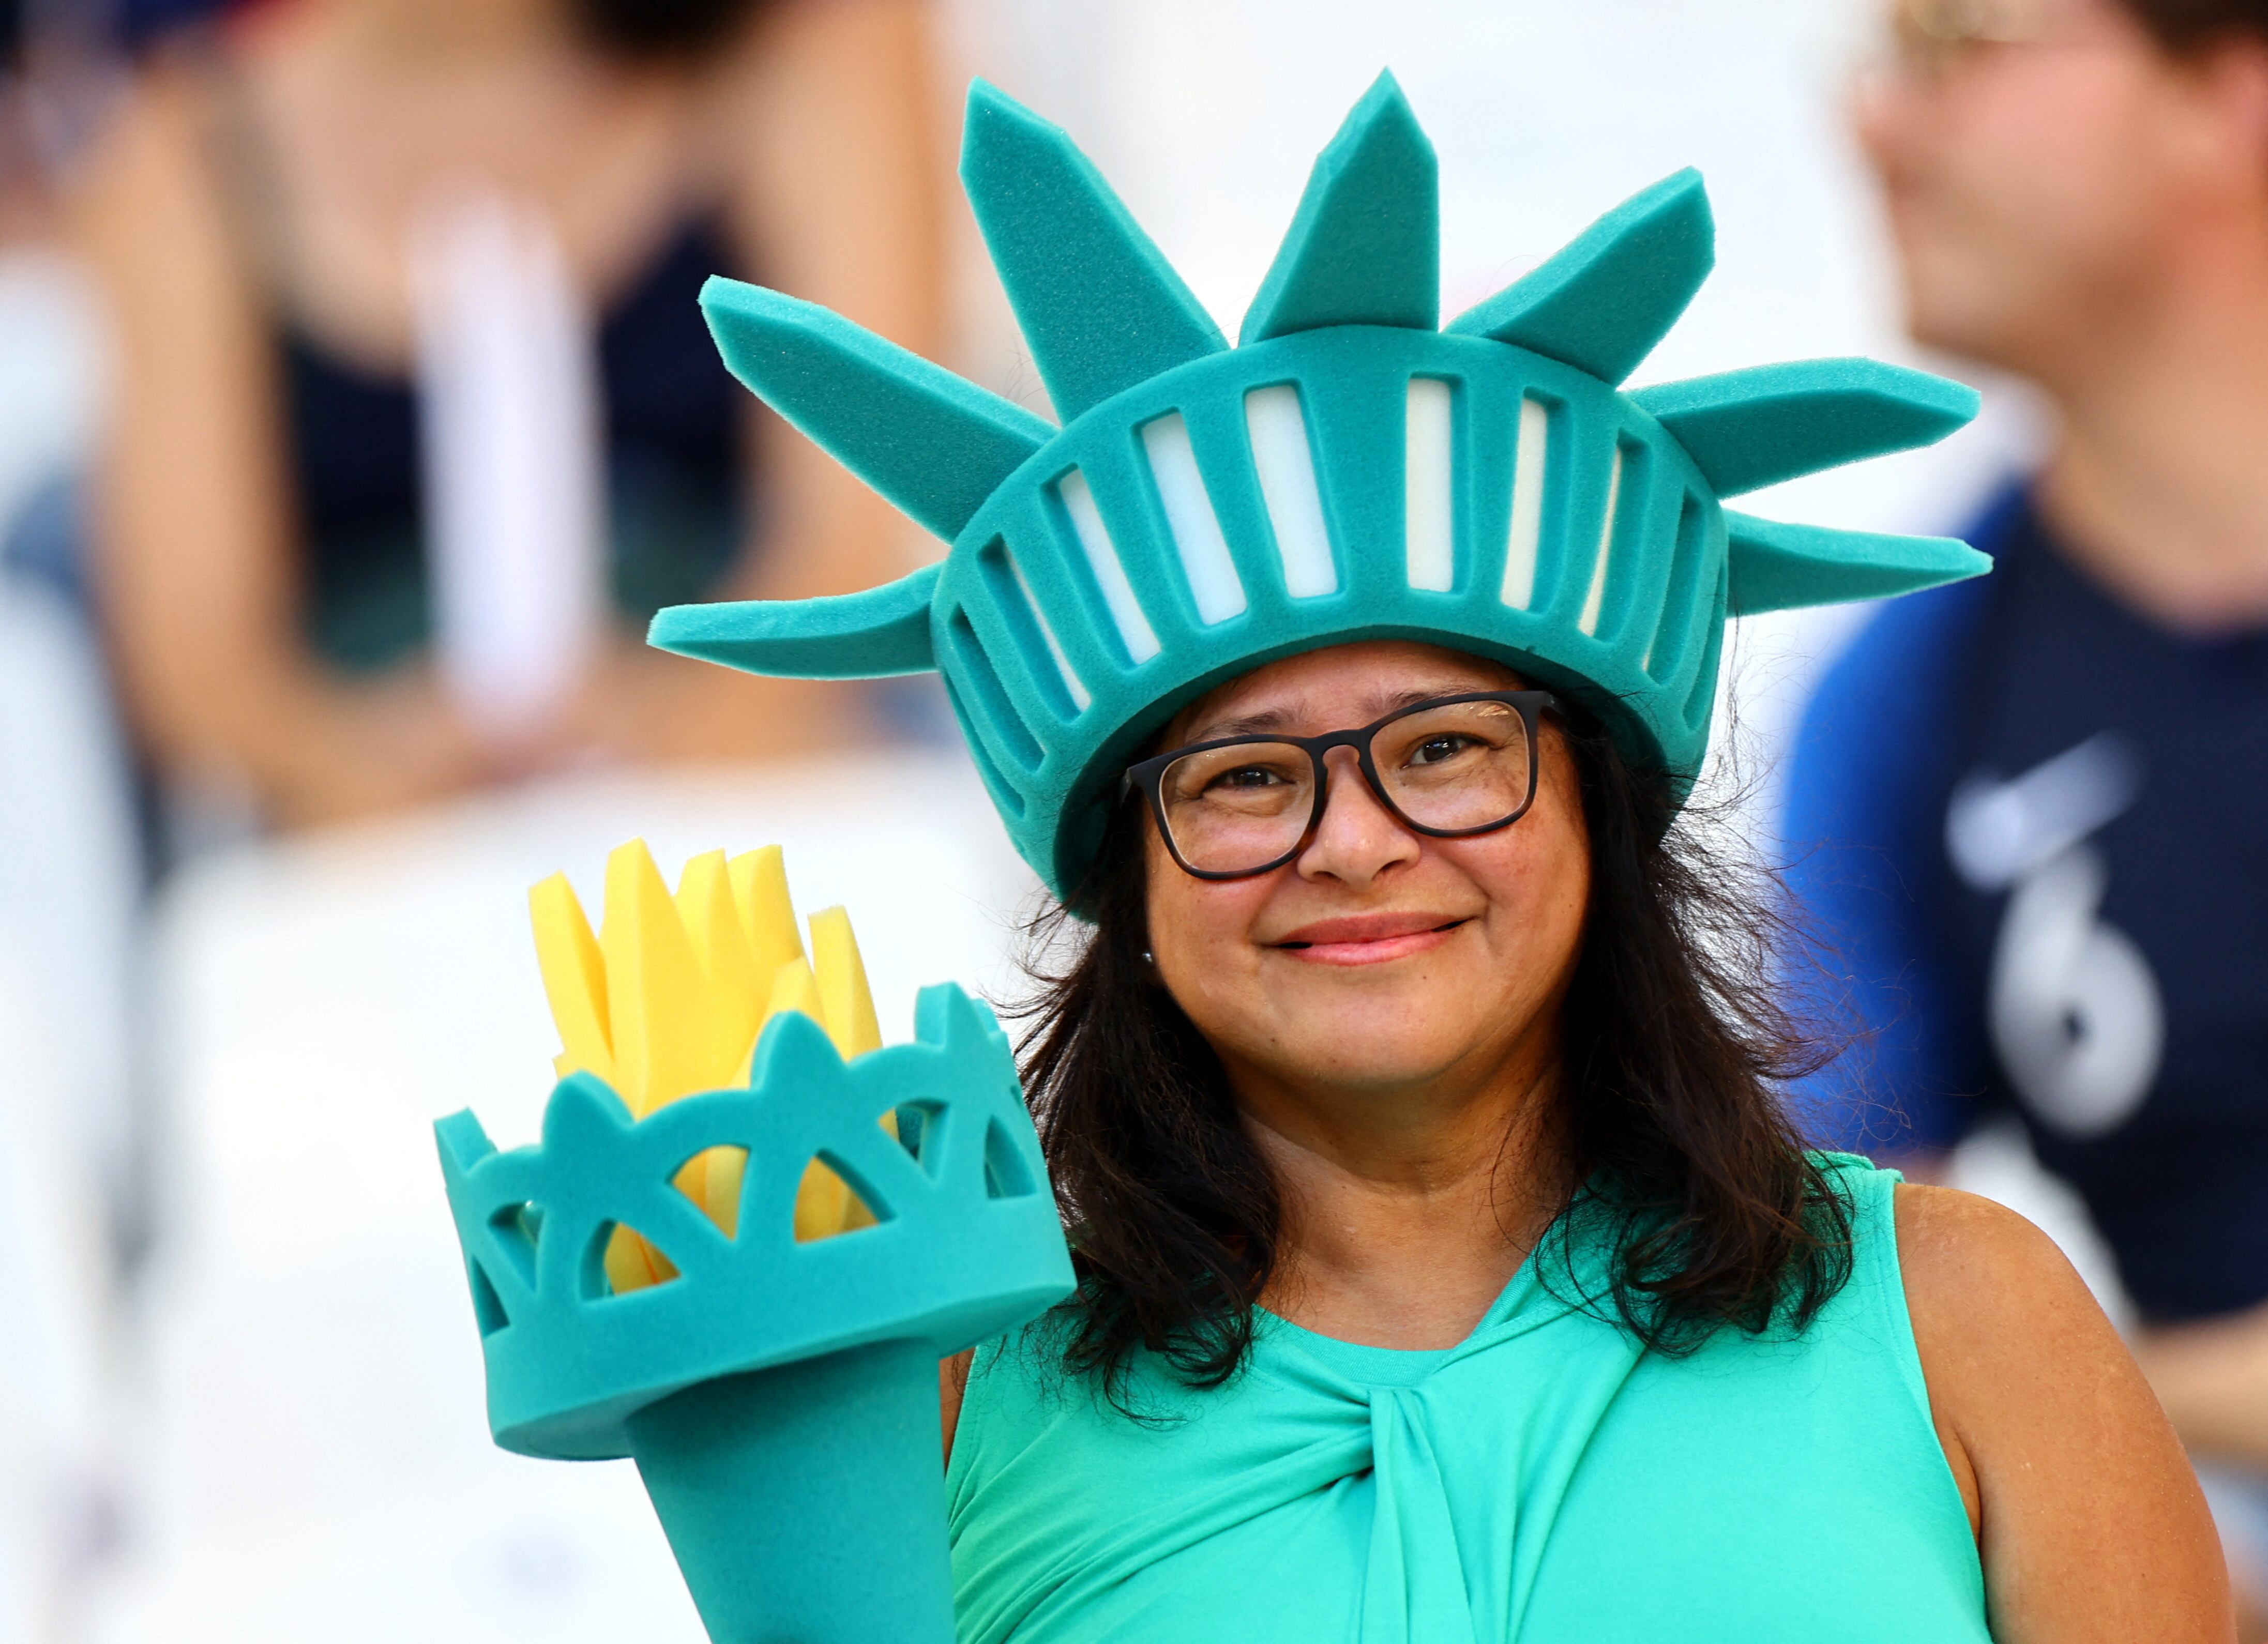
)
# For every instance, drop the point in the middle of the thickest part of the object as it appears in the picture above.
(1247, 776)
(1436, 750)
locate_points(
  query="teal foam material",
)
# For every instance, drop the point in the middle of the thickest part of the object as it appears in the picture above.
(1190, 525)
(1364, 246)
(1747, 430)
(877, 633)
(932, 443)
(814, 1364)
(736, 1466)
(1603, 301)
(1099, 306)
(1781, 567)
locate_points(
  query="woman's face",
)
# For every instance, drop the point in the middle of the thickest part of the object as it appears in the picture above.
(1379, 960)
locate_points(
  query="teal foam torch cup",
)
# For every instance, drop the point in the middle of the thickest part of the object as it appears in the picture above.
(779, 1398)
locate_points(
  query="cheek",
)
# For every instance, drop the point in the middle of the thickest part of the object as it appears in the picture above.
(1197, 927)
(1204, 961)
(1539, 886)
(2056, 166)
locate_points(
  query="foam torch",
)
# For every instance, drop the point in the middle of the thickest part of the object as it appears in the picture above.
(747, 1236)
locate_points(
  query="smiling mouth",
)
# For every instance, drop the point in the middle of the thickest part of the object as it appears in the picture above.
(1353, 944)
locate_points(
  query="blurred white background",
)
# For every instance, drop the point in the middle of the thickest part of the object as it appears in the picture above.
(281, 1436)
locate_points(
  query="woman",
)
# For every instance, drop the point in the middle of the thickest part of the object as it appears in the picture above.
(1448, 1268)
(252, 219)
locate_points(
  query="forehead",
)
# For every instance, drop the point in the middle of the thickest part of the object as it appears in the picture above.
(1339, 687)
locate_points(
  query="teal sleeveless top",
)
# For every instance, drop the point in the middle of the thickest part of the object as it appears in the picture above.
(1545, 1480)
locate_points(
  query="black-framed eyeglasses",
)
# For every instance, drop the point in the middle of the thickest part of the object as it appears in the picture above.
(1447, 768)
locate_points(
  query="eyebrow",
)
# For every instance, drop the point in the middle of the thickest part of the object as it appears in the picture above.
(1272, 720)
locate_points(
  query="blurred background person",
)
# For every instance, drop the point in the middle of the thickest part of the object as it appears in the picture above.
(2043, 888)
(416, 420)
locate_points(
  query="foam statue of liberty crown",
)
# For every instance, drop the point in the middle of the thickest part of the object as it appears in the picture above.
(1349, 470)
(967, 1241)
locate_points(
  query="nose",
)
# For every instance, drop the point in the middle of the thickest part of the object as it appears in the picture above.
(1357, 838)
(1885, 98)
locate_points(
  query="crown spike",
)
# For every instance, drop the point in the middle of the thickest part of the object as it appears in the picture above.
(1778, 567)
(760, 894)
(876, 633)
(1364, 246)
(933, 444)
(1747, 430)
(1099, 305)
(1602, 303)
(574, 978)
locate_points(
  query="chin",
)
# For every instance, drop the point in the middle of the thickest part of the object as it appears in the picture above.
(1951, 326)
(1961, 300)
(1384, 1068)
(1380, 1039)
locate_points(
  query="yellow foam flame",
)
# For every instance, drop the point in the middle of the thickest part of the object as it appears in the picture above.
(666, 999)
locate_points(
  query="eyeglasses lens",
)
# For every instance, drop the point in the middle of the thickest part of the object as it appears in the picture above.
(1234, 809)
(1464, 765)
(1928, 37)
(1459, 766)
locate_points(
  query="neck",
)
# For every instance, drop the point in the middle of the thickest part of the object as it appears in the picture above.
(2156, 484)
(1407, 1211)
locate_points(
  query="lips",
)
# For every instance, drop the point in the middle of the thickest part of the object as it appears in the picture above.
(1366, 938)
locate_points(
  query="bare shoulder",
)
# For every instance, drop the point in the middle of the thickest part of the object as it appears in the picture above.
(2005, 1329)
(801, 54)
(1959, 1253)
(147, 181)
(2088, 1517)
(155, 128)
(2004, 1324)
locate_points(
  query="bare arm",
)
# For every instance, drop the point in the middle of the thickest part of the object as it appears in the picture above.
(2211, 1376)
(2213, 1379)
(838, 200)
(193, 551)
(835, 178)
(952, 1388)
(2090, 1522)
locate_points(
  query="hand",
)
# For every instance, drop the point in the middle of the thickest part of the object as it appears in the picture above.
(643, 707)
(370, 750)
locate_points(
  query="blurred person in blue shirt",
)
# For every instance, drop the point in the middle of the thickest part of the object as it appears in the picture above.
(2028, 814)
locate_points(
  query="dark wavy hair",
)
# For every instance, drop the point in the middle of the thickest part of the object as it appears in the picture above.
(1672, 1040)
(652, 29)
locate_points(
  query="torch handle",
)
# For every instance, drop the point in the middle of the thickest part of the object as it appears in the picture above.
(805, 1504)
